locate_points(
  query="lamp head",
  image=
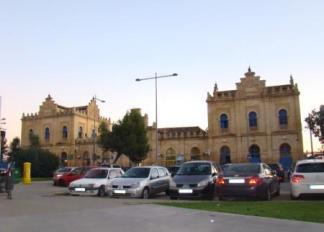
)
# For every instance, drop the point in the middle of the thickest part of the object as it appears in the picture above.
(137, 79)
(175, 74)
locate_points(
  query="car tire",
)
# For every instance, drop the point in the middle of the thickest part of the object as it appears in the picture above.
(293, 197)
(267, 195)
(146, 193)
(278, 191)
(101, 191)
(61, 183)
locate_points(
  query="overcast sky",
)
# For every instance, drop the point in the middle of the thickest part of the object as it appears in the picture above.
(75, 49)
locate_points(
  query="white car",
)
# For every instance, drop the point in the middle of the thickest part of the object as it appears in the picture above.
(307, 178)
(95, 181)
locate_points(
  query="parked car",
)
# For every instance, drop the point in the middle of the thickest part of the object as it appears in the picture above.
(194, 179)
(255, 180)
(173, 169)
(59, 173)
(75, 174)
(307, 178)
(141, 182)
(277, 167)
(95, 181)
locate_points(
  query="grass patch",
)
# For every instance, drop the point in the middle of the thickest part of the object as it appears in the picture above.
(311, 211)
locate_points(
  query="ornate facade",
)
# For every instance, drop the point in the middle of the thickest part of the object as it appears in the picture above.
(253, 123)
(68, 132)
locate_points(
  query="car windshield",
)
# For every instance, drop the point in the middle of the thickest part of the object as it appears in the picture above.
(273, 166)
(97, 173)
(310, 167)
(137, 173)
(241, 169)
(64, 169)
(194, 169)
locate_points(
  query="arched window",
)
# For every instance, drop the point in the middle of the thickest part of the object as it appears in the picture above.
(285, 149)
(283, 118)
(254, 154)
(223, 121)
(47, 133)
(225, 155)
(65, 132)
(80, 133)
(195, 153)
(31, 132)
(253, 121)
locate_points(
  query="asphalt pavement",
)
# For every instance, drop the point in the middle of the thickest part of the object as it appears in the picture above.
(42, 207)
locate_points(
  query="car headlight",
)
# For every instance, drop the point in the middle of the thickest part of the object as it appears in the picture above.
(172, 183)
(203, 183)
(136, 185)
(58, 175)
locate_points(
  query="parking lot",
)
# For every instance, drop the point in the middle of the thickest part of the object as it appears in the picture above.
(43, 207)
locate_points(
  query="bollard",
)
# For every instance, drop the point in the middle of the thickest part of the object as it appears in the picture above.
(27, 170)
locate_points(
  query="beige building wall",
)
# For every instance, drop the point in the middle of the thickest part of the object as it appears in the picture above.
(78, 147)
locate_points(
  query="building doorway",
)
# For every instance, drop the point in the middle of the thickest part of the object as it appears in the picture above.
(254, 154)
(285, 156)
(225, 155)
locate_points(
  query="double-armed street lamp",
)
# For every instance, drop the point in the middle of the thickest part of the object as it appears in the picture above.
(95, 99)
(156, 107)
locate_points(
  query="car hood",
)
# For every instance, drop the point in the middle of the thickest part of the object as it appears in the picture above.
(87, 181)
(190, 179)
(126, 181)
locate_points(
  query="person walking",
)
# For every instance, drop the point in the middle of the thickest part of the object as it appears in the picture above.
(7, 178)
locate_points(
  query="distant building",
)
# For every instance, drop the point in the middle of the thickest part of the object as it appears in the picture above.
(69, 132)
(253, 123)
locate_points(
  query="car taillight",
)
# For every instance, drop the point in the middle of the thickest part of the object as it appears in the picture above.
(254, 181)
(220, 181)
(297, 179)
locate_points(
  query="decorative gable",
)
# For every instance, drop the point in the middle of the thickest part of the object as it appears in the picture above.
(250, 85)
(48, 107)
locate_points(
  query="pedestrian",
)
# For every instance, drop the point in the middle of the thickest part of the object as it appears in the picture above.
(7, 177)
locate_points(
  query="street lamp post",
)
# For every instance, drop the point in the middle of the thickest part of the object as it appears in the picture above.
(95, 99)
(156, 107)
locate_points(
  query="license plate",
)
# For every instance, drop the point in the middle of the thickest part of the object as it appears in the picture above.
(79, 189)
(185, 190)
(316, 186)
(120, 191)
(236, 181)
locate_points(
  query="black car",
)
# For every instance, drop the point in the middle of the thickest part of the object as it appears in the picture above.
(255, 180)
(194, 179)
(279, 170)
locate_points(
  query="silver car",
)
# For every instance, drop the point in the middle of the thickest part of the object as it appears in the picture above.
(141, 182)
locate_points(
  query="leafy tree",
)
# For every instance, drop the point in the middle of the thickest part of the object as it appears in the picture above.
(43, 162)
(128, 137)
(315, 122)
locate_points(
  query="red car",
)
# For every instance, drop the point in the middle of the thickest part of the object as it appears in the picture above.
(75, 174)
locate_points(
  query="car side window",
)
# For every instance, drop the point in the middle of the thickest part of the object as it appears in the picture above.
(76, 171)
(154, 173)
(161, 172)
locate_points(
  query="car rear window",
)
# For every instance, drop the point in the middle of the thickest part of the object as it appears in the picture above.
(97, 173)
(310, 167)
(194, 169)
(239, 169)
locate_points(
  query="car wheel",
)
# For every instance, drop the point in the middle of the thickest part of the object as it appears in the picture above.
(278, 191)
(61, 183)
(101, 191)
(146, 193)
(293, 198)
(267, 195)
